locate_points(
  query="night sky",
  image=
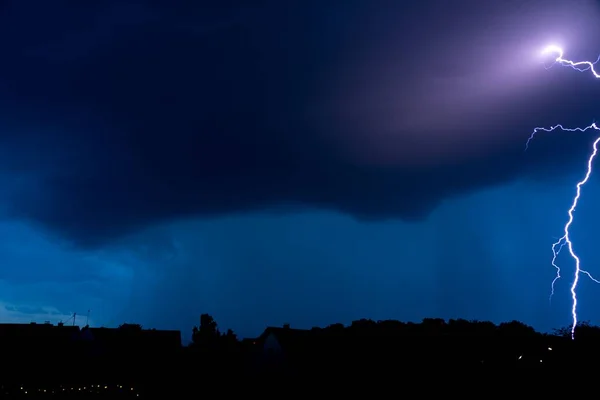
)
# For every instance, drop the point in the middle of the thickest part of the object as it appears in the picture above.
(303, 162)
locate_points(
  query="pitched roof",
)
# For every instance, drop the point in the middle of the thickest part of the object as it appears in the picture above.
(289, 339)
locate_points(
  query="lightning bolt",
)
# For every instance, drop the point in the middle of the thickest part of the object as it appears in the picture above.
(565, 240)
(578, 66)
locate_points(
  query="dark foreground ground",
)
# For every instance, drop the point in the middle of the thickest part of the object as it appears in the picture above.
(511, 370)
(463, 383)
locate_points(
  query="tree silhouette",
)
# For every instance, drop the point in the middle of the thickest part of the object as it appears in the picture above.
(583, 331)
(229, 342)
(338, 327)
(206, 336)
(230, 336)
(516, 328)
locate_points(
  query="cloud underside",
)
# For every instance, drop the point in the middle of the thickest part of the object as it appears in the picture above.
(144, 115)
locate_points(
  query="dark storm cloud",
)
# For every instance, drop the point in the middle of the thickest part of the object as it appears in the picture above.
(126, 114)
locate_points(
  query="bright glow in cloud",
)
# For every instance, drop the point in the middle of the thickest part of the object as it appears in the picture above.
(579, 65)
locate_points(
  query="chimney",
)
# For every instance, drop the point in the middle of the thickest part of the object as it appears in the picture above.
(286, 326)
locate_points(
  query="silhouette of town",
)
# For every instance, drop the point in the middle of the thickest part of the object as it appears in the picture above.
(66, 361)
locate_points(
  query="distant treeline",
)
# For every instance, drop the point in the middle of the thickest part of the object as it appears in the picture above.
(336, 353)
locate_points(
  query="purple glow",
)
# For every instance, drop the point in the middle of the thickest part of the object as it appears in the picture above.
(578, 66)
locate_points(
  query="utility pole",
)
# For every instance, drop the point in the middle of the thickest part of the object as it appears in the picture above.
(74, 316)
